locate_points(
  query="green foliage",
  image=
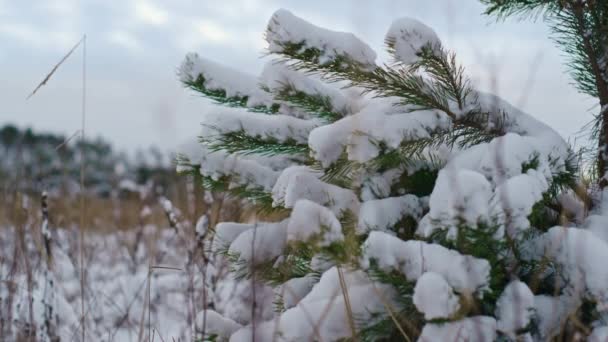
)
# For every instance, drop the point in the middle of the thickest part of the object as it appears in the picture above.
(531, 8)
(219, 96)
(240, 142)
(383, 327)
(481, 242)
(419, 183)
(256, 196)
(295, 263)
(318, 104)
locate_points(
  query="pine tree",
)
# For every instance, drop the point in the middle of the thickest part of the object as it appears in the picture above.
(580, 28)
(404, 202)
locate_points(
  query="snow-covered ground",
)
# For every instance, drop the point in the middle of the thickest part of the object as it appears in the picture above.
(123, 271)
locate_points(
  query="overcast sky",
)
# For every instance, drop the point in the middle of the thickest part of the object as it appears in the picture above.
(135, 47)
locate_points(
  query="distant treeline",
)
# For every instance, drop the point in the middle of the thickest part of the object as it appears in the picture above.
(32, 161)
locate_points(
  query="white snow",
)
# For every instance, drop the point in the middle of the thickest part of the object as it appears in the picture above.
(212, 323)
(226, 233)
(459, 196)
(434, 297)
(322, 314)
(414, 258)
(300, 182)
(514, 308)
(360, 133)
(279, 127)
(383, 214)
(279, 76)
(219, 77)
(552, 313)
(478, 328)
(243, 171)
(599, 334)
(293, 290)
(510, 199)
(581, 257)
(284, 27)
(202, 224)
(310, 220)
(408, 36)
(262, 242)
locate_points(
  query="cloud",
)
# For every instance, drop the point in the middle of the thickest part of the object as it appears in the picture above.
(20, 32)
(124, 39)
(212, 32)
(150, 13)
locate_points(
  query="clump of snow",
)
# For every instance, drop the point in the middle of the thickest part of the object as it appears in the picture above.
(512, 204)
(243, 171)
(581, 257)
(459, 196)
(383, 214)
(597, 222)
(300, 182)
(552, 313)
(279, 127)
(514, 308)
(219, 77)
(479, 329)
(293, 290)
(261, 243)
(284, 28)
(599, 334)
(361, 132)
(309, 220)
(279, 76)
(414, 258)
(322, 314)
(408, 36)
(212, 323)
(434, 297)
(202, 224)
(226, 233)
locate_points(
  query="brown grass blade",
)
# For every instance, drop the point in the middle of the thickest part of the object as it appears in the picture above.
(50, 74)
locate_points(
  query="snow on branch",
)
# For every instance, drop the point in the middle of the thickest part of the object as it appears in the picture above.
(287, 31)
(406, 37)
(300, 182)
(383, 214)
(278, 127)
(222, 84)
(413, 258)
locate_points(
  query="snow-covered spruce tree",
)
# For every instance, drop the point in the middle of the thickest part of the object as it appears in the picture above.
(408, 204)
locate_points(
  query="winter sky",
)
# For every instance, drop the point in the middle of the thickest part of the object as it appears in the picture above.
(135, 46)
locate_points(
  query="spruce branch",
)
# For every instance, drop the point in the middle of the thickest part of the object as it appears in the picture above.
(317, 104)
(433, 83)
(220, 96)
(443, 68)
(580, 28)
(239, 142)
(525, 8)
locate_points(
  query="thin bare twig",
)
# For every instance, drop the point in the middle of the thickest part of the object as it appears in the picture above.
(50, 74)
